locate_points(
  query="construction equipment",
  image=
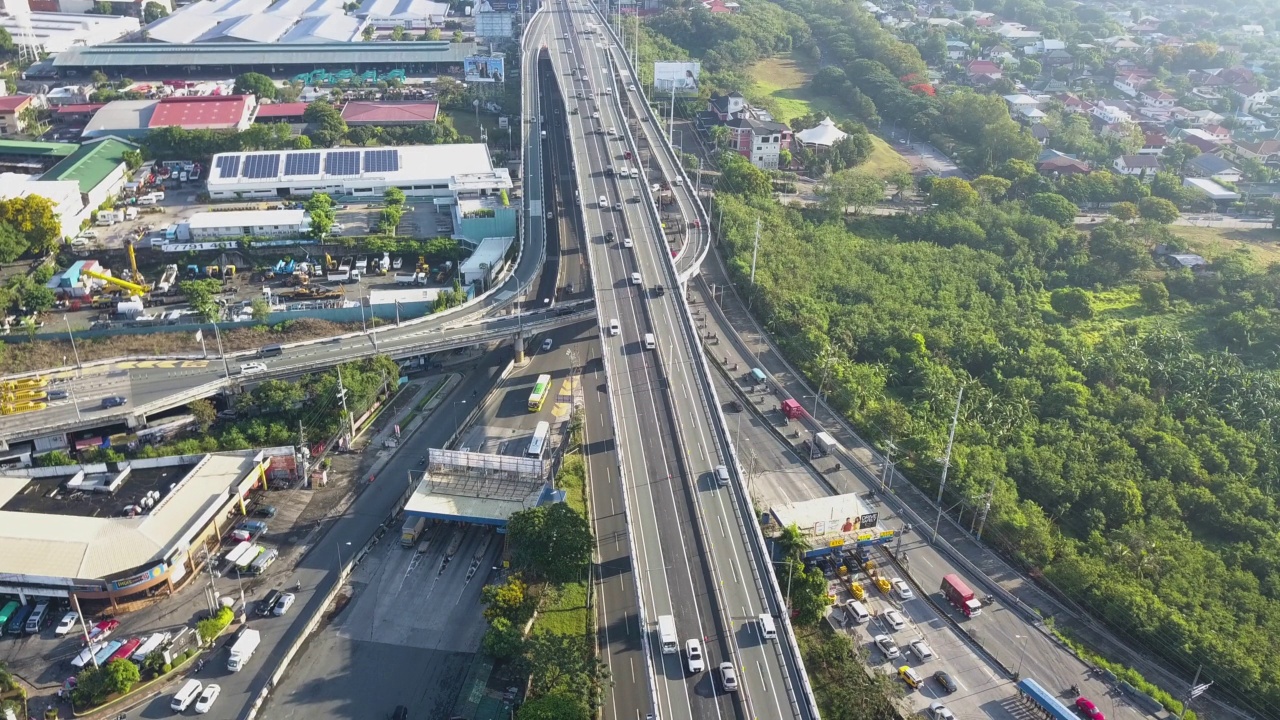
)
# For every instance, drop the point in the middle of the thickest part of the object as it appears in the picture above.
(31, 383)
(298, 279)
(134, 275)
(134, 288)
(329, 264)
(313, 293)
(423, 267)
(15, 408)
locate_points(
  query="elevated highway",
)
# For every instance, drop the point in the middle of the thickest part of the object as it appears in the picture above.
(697, 551)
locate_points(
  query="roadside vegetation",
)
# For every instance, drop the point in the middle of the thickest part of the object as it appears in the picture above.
(540, 619)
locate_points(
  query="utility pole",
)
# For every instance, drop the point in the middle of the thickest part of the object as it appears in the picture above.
(346, 415)
(1196, 691)
(946, 462)
(986, 506)
(886, 477)
(302, 449)
(755, 251)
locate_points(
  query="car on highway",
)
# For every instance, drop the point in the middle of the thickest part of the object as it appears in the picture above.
(283, 604)
(618, 206)
(922, 650)
(631, 87)
(693, 649)
(635, 278)
(595, 116)
(909, 676)
(728, 677)
(614, 327)
(938, 711)
(207, 698)
(901, 587)
(608, 236)
(253, 367)
(56, 395)
(1089, 709)
(612, 131)
(114, 401)
(607, 90)
(603, 202)
(626, 243)
(546, 344)
(944, 679)
(887, 646)
(895, 619)
(66, 624)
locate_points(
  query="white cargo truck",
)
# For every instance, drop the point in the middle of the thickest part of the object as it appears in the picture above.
(243, 649)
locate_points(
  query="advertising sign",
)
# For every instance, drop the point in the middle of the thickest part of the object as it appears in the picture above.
(138, 579)
(484, 69)
(680, 76)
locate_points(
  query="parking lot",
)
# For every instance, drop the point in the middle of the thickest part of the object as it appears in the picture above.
(980, 690)
(404, 632)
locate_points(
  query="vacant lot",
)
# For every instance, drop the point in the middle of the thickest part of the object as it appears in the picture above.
(1213, 242)
(784, 85)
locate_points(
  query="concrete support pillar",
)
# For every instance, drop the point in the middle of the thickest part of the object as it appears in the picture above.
(519, 347)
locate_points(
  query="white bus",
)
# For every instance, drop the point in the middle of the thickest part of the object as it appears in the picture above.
(538, 445)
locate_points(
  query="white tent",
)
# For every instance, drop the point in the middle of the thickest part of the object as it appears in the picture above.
(825, 134)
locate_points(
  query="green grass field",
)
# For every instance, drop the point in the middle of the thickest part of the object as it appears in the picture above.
(783, 87)
(564, 609)
(1212, 242)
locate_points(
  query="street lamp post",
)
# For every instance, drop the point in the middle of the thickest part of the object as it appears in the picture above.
(457, 419)
(73, 344)
(339, 545)
(226, 366)
(1022, 655)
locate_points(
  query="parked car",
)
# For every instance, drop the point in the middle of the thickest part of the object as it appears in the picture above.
(209, 695)
(103, 630)
(283, 604)
(887, 646)
(66, 624)
(266, 511)
(938, 711)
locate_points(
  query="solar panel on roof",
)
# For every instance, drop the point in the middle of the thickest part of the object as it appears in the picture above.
(381, 160)
(262, 166)
(343, 162)
(302, 164)
(228, 166)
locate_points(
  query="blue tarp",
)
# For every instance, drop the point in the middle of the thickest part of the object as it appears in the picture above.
(1045, 700)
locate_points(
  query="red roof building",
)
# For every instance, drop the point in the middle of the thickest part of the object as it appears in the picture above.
(984, 67)
(389, 113)
(281, 112)
(210, 112)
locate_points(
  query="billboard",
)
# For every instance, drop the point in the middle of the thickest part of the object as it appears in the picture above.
(682, 76)
(483, 69)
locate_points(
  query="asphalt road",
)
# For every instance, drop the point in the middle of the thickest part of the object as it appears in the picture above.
(688, 530)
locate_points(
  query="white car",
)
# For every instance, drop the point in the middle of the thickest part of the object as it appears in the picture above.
(938, 711)
(632, 88)
(614, 327)
(207, 697)
(693, 649)
(595, 116)
(901, 587)
(546, 345)
(89, 235)
(922, 650)
(895, 619)
(67, 624)
(635, 278)
(887, 646)
(618, 206)
(626, 243)
(729, 677)
(253, 367)
(612, 131)
(283, 604)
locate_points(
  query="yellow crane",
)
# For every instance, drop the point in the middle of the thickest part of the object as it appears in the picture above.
(134, 288)
(133, 262)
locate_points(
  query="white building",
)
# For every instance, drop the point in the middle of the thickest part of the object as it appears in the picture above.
(55, 32)
(486, 261)
(68, 205)
(213, 226)
(408, 14)
(823, 135)
(418, 170)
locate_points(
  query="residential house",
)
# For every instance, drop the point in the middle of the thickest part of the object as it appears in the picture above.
(1052, 162)
(1025, 107)
(1056, 58)
(752, 134)
(976, 68)
(1121, 44)
(1144, 165)
(1157, 98)
(1110, 114)
(1130, 83)
(1044, 45)
(1250, 94)
(1201, 140)
(1252, 30)
(1190, 261)
(1200, 118)
(1214, 167)
(1073, 104)
(957, 50)
(1217, 132)
(1018, 35)
(1041, 133)
(1264, 151)
(11, 107)
(1153, 143)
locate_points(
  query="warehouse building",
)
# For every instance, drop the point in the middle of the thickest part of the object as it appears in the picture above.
(55, 32)
(214, 226)
(229, 59)
(443, 171)
(113, 533)
(135, 118)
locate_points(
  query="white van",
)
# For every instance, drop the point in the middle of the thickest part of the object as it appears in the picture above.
(858, 612)
(604, 202)
(766, 627)
(649, 341)
(37, 617)
(614, 327)
(722, 475)
(186, 696)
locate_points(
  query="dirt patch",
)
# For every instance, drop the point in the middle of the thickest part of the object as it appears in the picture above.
(27, 356)
(337, 606)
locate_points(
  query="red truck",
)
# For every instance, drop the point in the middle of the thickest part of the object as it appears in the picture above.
(626, 155)
(959, 595)
(791, 408)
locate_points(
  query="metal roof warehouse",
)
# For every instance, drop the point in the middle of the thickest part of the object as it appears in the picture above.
(120, 532)
(209, 59)
(418, 170)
